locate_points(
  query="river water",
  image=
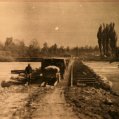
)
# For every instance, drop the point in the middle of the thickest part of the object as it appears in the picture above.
(6, 67)
(108, 70)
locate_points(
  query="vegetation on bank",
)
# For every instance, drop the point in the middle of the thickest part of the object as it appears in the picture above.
(12, 49)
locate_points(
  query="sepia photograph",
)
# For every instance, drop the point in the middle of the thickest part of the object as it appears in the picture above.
(59, 59)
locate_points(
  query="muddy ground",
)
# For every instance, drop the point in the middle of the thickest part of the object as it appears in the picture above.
(92, 103)
(59, 102)
(36, 102)
(15, 101)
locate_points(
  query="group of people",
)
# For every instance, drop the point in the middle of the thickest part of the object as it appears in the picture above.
(107, 39)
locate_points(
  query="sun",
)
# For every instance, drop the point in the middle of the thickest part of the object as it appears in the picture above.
(56, 28)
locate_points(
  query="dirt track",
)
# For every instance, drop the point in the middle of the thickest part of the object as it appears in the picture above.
(53, 106)
(47, 104)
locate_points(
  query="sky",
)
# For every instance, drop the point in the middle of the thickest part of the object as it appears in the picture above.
(65, 23)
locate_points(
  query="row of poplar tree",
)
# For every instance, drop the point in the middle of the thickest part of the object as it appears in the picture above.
(107, 40)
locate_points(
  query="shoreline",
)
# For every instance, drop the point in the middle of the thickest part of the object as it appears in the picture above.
(105, 83)
(93, 103)
(90, 102)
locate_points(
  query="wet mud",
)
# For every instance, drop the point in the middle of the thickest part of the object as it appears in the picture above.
(93, 103)
(16, 100)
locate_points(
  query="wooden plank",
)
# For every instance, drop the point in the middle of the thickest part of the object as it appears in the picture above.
(79, 78)
(17, 71)
(86, 81)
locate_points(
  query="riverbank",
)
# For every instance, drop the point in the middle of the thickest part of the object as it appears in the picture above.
(107, 71)
(92, 101)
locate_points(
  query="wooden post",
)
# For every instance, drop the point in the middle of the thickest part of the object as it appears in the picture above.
(72, 75)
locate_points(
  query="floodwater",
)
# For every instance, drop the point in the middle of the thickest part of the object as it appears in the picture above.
(108, 70)
(14, 97)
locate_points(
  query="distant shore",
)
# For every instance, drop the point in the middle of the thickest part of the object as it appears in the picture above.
(92, 102)
(39, 59)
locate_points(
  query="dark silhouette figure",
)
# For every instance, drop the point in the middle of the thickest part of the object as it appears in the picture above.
(28, 72)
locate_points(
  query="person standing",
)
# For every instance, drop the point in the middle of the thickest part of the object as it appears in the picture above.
(28, 72)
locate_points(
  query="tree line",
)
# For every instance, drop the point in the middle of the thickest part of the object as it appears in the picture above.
(17, 48)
